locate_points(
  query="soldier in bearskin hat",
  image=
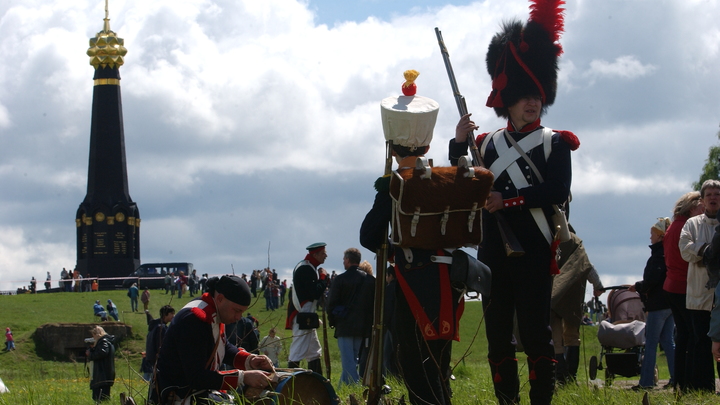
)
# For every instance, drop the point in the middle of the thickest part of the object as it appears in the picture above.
(532, 170)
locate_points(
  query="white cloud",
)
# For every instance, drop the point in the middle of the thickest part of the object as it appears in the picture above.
(4, 117)
(624, 67)
(247, 122)
(22, 258)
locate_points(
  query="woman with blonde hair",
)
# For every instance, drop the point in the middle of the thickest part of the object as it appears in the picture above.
(366, 267)
(102, 355)
(675, 285)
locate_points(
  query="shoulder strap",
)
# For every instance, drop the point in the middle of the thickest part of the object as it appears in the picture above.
(525, 156)
(485, 142)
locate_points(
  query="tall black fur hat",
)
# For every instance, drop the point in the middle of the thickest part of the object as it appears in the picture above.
(522, 60)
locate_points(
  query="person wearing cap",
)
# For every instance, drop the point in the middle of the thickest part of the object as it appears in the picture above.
(427, 308)
(99, 311)
(112, 310)
(195, 346)
(532, 169)
(659, 324)
(309, 283)
(695, 236)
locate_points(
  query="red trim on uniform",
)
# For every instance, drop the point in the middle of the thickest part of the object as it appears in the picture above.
(527, 70)
(554, 269)
(514, 202)
(449, 330)
(570, 139)
(205, 314)
(446, 323)
(496, 374)
(527, 128)
(230, 380)
(531, 364)
(240, 359)
(479, 139)
(424, 324)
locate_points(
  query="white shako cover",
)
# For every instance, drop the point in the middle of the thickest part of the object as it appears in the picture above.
(409, 120)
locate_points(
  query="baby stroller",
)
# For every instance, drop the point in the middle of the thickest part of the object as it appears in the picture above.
(622, 336)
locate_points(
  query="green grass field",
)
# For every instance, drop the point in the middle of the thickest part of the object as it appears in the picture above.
(34, 378)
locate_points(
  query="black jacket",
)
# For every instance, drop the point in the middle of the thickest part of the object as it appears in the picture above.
(156, 333)
(650, 288)
(103, 357)
(351, 294)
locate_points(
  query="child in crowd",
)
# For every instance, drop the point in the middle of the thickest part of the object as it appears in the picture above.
(9, 341)
(271, 346)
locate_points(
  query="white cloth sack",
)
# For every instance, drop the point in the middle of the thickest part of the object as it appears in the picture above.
(623, 336)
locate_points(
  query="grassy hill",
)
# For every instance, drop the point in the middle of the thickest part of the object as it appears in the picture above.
(37, 378)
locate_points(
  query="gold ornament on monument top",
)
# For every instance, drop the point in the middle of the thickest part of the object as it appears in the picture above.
(106, 48)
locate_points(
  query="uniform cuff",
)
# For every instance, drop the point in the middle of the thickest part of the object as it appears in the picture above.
(232, 379)
(242, 360)
(514, 202)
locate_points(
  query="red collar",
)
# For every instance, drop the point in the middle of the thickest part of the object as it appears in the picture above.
(205, 312)
(312, 260)
(527, 128)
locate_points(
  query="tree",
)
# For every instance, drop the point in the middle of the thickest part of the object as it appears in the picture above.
(711, 169)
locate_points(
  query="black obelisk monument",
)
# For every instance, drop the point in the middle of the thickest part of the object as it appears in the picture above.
(107, 221)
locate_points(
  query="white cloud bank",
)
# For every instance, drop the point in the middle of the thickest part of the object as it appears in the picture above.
(247, 123)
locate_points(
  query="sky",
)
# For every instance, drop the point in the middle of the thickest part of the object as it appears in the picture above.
(253, 129)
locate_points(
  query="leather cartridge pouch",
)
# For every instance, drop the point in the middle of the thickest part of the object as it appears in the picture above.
(470, 272)
(308, 320)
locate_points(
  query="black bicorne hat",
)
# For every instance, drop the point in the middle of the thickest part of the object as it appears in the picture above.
(522, 60)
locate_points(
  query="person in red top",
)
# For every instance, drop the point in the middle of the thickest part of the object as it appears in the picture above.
(675, 284)
(9, 341)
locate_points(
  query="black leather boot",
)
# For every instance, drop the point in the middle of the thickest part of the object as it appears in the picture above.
(506, 381)
(572, 356)
(541, 373)
(562, 373)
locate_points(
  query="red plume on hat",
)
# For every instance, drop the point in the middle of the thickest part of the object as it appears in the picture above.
(522, 60)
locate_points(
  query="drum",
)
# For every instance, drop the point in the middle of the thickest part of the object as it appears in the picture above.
(294, 387)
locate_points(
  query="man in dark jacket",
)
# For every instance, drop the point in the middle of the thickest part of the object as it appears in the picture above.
(350, 312)
(156, 333)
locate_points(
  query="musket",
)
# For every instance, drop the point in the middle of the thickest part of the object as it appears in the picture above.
(512, 245)
(373, 377)
(326, 345)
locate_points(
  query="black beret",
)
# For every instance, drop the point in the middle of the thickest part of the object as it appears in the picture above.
(235, 289)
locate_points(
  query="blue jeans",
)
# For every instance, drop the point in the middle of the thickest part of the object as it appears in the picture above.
(349, 351)
(658, 329)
